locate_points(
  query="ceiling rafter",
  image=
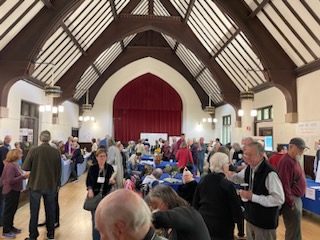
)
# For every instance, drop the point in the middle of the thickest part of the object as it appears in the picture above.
(170, 8)
(170, 26)
(233, 36)
(151, 7)
(188, 13)
(47, 3)
(259, 8)
(17, 55)
(308, 68)
(8, 13)
(18, 19)
(74, 40)
(96, 69)
(279, 71)
(132, 54)
(113, 9)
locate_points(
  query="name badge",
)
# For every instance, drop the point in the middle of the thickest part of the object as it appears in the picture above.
(101, 179)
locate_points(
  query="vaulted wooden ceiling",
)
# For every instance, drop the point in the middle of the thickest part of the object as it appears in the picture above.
(220, 47)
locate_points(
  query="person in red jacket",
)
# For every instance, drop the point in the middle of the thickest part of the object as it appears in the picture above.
(184, 157)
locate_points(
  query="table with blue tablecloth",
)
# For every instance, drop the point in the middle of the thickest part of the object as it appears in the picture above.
(162, 165)
(308, 203)
(146, 158)
(81, 167)
(174, 184)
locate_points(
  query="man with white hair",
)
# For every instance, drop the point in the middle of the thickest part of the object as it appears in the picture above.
(123, 215)
(187, 189)
(264, 196)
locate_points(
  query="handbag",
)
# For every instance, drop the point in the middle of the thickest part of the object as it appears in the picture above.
(90, 204)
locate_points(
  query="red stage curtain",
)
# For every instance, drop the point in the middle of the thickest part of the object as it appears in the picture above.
(146, 104)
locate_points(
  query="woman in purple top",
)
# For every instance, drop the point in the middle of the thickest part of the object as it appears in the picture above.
(11, 179)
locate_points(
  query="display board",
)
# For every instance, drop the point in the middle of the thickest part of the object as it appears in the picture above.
(152, 137)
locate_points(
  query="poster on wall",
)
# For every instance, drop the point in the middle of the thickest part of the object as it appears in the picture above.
(30, 135)
(310, 132)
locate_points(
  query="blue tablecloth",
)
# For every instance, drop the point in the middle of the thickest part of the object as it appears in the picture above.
(310, 204)
(147, 158)
(65, 171)
(81, 167)
(175, 186)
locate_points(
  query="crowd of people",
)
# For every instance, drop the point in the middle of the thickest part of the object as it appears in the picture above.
(235, 185)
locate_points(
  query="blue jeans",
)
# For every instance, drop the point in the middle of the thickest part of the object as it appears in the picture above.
(49, 197)
(200, 165)
(95, 232)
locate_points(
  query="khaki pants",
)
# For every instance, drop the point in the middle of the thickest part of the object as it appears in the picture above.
(256, 233)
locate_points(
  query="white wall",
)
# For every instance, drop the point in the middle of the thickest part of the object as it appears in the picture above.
(21, 90)
(103, 103)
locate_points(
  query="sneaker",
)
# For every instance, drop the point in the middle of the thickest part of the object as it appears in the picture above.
(15, 230)
(8, 235)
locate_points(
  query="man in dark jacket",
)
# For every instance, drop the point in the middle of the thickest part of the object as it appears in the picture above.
(44, 164)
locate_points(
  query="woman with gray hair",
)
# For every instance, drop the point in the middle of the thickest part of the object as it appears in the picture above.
(216, 199)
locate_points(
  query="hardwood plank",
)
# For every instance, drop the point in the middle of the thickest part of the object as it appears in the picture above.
(75, 223)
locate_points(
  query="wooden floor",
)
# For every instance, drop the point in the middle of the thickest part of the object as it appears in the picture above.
(75, 223)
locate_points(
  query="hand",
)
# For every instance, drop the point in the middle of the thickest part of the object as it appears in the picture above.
(90, 193)
(246, 194)
(26, 174)
(112, 181)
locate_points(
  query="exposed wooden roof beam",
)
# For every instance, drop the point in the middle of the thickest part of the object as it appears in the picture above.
(308, 68)
(47, 3)
(74, 40)
(16, 58)
(233, 36)
(278, 65)
(113, 9)
(259, 8)
(130, 6)
(132, 54)
(151, 7)
(170, 8)
(171, 26)
(190, 6)
(96, 69)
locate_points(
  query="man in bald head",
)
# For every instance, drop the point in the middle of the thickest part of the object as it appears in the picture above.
(123, 215)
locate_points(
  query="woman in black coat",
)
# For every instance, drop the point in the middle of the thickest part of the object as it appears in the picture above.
(99, 179)
(217, 201)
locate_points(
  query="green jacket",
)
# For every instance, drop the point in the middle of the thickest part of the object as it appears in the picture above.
(44, 164)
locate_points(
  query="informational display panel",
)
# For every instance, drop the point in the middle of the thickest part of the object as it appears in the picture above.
(152, 137)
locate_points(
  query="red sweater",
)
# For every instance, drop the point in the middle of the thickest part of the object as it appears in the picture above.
(289, 169)
(274, 160)
(183, 156)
